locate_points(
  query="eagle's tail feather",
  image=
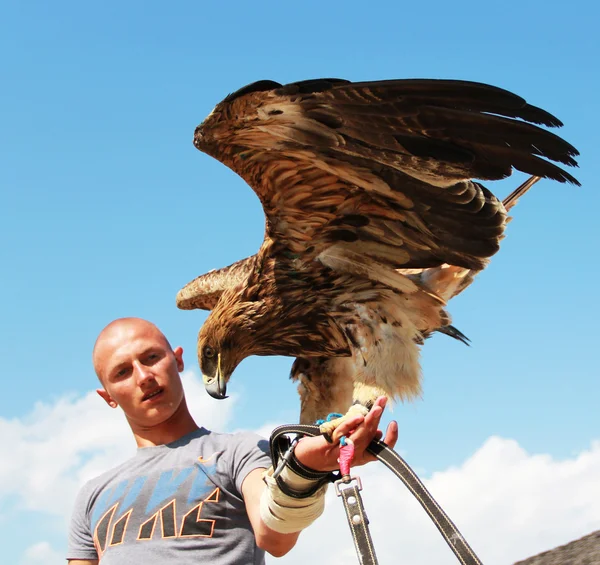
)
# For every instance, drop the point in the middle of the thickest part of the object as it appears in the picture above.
(514, 196)
(455, 333)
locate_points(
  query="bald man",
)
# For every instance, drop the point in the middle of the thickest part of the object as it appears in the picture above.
(190, 494)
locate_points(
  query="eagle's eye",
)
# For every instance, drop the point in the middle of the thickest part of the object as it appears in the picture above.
(209, 352)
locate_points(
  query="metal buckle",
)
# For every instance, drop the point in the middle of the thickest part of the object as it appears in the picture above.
(338, 484)
(286, 457)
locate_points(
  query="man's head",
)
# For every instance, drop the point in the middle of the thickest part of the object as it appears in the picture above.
(139, 371)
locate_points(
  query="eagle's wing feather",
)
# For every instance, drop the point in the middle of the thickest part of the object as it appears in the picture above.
(466, 95)
(434, 119)
(204, 291)
(447, 281)
(426, 128)
(383, 169)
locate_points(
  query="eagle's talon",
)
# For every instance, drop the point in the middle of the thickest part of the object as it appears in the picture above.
(327, 437)
(329, 426)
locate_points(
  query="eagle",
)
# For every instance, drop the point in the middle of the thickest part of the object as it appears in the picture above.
(374, 219)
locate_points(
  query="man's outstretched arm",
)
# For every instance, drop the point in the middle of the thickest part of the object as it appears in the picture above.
(319, 455)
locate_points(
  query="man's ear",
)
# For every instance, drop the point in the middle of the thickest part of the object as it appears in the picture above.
(106, 397)
(178, 351)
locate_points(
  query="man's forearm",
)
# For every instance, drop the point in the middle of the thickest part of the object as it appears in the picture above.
(275, 543)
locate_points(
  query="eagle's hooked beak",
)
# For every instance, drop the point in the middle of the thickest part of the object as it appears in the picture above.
(216, 386)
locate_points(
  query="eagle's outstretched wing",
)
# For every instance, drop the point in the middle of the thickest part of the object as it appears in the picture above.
(446, 281)
(204, 291)
(381, 170)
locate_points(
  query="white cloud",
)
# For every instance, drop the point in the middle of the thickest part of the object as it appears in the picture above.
(508, 503)
(42, 553)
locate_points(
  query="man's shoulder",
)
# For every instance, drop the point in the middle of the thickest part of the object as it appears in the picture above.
(240, 437)
(234, 446)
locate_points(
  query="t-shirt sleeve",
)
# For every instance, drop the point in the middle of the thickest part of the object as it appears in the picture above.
(81, 541)
(251, 452)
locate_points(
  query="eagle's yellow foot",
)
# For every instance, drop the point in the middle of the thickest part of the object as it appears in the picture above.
(327, 428)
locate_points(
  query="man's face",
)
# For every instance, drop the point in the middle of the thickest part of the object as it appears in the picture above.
(140, 373)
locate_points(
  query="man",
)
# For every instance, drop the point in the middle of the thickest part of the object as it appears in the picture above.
(189, 494)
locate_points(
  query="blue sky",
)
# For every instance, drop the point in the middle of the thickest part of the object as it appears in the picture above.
(107, 208)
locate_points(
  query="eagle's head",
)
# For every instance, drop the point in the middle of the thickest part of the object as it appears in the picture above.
(216, 363)
(228, 336)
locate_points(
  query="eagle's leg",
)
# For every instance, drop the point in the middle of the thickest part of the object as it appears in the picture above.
(364, 396)
(325, 385)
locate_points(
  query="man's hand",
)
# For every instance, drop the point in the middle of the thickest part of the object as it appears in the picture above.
(320, 455)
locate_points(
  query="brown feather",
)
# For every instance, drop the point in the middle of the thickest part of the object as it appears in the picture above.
(373, 221)
(204, 292)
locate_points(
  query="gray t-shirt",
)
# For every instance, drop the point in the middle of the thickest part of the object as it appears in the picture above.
(176, 503)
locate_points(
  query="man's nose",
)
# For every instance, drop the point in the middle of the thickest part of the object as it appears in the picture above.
(142, 373)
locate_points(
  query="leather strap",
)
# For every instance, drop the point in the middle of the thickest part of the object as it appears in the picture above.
(357, 520)
(458, 544)
(282, 455)
(402, 470)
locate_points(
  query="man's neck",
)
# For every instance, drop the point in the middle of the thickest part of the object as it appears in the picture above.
(178, 425)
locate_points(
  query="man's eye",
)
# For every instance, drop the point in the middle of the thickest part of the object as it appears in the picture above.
(122, 372)
(209, 352)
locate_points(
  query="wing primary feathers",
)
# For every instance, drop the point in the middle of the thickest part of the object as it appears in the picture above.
(456, 94)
